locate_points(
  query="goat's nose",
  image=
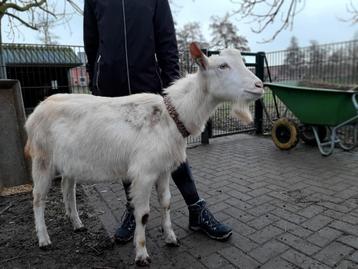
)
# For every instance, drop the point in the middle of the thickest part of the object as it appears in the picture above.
(259, 84)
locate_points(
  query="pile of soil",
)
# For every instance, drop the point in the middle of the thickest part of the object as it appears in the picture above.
(18, 241)
(325, 85)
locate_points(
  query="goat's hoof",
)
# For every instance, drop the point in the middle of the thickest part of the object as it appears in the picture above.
(171, 240)
(143, 261)
(46, 247)
(44, 242)
(175, 243)
(80, 229)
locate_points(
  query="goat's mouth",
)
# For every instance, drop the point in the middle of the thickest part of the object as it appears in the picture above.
(254, 94)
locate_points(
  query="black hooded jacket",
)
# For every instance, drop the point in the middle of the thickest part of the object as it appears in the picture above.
(145, 29)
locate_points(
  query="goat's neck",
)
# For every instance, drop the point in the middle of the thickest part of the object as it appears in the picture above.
(191, 100)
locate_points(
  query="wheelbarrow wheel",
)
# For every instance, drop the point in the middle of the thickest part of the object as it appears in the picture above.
(307, 135)
(285, 133)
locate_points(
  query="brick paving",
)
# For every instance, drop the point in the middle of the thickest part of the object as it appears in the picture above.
(292, 209)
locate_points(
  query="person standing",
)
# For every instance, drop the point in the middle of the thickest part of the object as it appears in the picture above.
(131, 48)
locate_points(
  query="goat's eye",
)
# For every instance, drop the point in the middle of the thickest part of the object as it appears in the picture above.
(224, 66)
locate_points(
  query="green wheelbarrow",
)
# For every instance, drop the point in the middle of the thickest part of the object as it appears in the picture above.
(320, 108)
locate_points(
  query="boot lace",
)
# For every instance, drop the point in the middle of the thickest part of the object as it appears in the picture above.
(128, 221)
(209, 219)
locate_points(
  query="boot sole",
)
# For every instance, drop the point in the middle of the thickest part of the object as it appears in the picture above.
(220, 238)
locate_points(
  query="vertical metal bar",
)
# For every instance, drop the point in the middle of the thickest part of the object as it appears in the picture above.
(2, 60)
(207, 134)
(260, 71)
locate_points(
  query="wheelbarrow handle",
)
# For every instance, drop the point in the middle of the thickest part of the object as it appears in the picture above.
(354, 99)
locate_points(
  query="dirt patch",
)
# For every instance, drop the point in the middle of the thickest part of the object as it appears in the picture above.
(88, 249)
(325, 85)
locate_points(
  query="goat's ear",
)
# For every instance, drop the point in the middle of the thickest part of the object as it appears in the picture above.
(198, 56)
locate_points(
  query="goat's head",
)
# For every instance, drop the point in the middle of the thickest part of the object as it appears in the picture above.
(228, 79)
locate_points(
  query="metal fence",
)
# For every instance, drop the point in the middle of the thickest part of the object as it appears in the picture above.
(46, 70)
(335, 63)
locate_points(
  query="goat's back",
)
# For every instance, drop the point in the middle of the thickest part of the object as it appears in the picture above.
(90, 136)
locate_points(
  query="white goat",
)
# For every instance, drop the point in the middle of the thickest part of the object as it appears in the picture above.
(138, 138)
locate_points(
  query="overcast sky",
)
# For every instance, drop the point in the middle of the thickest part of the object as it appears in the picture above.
(318, 21)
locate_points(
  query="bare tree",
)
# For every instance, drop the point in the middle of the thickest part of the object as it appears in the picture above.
(317, 57)
(294, 63)
(14, 10)
(27, 12)
(266, 12)
(225, 34)
(31, 14)
(175, 8)
(45, 27)
(353, 11)
(189, 33)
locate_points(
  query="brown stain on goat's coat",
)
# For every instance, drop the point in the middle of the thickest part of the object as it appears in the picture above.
(155, 115)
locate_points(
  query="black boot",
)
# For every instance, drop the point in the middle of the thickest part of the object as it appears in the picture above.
(125, 232)
(200, 218)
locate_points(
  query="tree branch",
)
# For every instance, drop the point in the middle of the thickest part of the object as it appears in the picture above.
(17, 7)
(21, 20)
(272, 9)
(46, 10)
(75, 7)
(35, 14)
(353, 11)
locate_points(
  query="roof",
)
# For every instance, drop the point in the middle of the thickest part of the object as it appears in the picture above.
(21, 54)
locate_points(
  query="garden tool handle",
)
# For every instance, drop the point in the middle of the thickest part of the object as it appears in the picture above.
(354, 99)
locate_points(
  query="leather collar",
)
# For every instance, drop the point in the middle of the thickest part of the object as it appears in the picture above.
(175, 116)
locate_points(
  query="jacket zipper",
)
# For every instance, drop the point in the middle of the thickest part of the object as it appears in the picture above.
(98, 71)
(159, 77)
(126, 48)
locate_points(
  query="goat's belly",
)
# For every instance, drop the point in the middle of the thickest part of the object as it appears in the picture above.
(90, 175)
(117, 159)
(90, 169)
(158, 161)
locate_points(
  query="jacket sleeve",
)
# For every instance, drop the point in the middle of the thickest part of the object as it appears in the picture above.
(166, 47)
(90, 38)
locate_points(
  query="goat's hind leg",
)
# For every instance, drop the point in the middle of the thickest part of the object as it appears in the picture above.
(164, 196)
(42, 176)
(69, 198)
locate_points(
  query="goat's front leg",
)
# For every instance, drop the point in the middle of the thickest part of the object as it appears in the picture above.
(140, 194)
(164, 196)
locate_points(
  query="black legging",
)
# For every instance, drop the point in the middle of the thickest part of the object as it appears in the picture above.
(184, 180)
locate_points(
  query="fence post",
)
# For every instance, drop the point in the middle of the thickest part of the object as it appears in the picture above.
(260, 71)
(2, 60)
(207, 133)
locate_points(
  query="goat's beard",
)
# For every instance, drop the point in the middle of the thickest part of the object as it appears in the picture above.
(241, 110)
